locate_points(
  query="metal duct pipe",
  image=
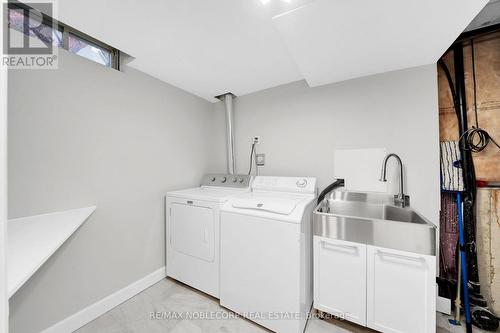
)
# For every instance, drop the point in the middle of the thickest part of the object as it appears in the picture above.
(228, 103)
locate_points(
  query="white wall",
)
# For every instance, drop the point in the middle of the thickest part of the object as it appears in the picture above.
(301, 127)
(87, 135)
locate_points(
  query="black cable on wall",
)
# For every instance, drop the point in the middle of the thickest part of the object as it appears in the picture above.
(475, 139)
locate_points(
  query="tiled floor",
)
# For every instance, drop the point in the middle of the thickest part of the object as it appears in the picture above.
(170, 296)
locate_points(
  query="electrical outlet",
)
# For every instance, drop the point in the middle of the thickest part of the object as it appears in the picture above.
(256, 139)
(260, 159)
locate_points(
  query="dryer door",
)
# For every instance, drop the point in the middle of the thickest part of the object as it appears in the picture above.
(192, 230)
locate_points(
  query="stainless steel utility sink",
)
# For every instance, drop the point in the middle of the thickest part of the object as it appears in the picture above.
(374, 211)
(372, 218)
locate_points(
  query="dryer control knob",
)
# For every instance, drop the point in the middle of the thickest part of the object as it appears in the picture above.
(240, 180)
(234, 179)
(223, 179)
(212, 179)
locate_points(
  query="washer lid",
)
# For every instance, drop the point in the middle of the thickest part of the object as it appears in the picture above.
(277, 205)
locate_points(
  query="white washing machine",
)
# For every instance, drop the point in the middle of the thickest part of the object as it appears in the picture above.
(192, 230)
(266, 252)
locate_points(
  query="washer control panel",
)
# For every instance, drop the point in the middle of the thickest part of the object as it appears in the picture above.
(225, 180)
(285, 184)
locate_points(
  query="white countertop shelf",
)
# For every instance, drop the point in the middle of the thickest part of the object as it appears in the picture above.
(33, 239)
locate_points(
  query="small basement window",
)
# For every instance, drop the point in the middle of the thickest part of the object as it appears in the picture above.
(46, 30)
(93, 50)
(38, 29)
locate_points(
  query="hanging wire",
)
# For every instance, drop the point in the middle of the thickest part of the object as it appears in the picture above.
(475, 139)
(251, 158)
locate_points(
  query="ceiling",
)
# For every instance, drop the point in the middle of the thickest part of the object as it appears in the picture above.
(333, 41)
(212, 47)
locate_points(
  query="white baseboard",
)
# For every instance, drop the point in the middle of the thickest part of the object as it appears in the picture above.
(79, 319)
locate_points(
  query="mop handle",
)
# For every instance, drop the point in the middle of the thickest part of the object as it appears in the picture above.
(465, 278)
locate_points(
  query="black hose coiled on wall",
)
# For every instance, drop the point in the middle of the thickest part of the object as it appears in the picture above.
(476, 139)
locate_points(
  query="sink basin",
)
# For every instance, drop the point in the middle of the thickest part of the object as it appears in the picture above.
(373, 219)
(373, 211)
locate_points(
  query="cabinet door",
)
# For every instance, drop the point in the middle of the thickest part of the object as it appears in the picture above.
(340, 278)
(401, 291)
